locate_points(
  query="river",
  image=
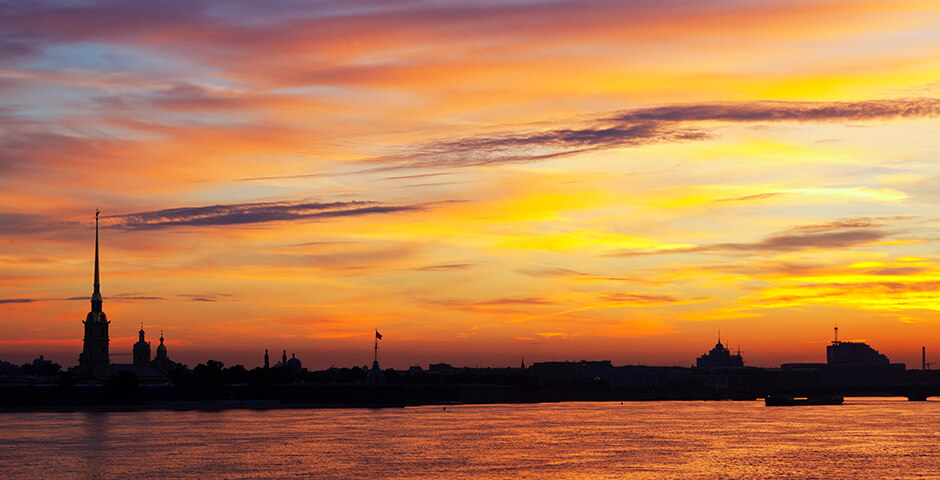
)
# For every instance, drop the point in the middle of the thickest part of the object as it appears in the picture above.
(865, 438)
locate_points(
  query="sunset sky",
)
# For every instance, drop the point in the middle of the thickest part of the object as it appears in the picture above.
(480, 181)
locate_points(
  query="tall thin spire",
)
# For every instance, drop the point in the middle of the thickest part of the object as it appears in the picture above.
(94, 359)
(96, 296)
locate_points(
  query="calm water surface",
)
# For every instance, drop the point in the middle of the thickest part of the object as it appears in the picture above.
(865, 438)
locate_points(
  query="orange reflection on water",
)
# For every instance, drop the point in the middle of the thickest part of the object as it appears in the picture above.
(865, 438)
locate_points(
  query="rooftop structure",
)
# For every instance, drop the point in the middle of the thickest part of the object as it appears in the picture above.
(853, 353)
(720, 357)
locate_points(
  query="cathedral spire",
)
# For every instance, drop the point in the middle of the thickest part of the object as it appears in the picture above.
(96, 296)
(94, 360)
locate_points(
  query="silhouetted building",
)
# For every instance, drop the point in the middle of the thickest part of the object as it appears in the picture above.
(142, 350)
(162, 361)
(7, 370)
(375, 376)
(851, 365)
(855, 364)
(440, 368)
(146, 370)
(294, 364)
(567, 373)
(94, 359)
(40, 362)
(854, 353)
(720, 357)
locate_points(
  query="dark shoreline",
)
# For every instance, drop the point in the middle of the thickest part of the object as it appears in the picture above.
(264, 392)
(260, 405)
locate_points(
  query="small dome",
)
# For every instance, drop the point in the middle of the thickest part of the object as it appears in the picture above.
(161, 349)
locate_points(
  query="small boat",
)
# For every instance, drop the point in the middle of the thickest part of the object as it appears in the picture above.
(791, 401)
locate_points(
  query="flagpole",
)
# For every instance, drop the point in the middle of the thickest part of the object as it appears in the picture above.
(376, 359)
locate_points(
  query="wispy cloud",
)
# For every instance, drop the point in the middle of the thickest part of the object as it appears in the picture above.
(501, 305)
(451, 266)
(121, 297)
(131, 297)
(773, 111)
(18, 300)
(911, 294)
(588, 276)
(633, 298)
(815, 239)
(205, 296)
(509, 148)
(850, 223)
(517, 301)
(843, 233)
(666, 124)
(748, 198)
(281, 177)
(18, 223)
(251, 213)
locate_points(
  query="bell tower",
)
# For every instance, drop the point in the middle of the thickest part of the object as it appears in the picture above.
(94, 359)
(142, 350)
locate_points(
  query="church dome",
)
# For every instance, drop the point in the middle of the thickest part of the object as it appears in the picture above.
(161, 349)
(141, 343)
(294, 363)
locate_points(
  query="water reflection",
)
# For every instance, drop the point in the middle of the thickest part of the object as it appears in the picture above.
(93, 445)
(870, 438)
